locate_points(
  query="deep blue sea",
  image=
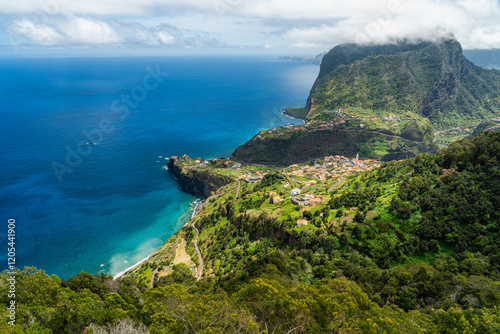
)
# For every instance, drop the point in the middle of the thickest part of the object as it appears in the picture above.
(104, 207)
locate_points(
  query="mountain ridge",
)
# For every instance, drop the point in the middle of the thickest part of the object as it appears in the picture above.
(432, 79)
(436, 95)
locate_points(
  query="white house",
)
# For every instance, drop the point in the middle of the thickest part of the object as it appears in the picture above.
(295, 192)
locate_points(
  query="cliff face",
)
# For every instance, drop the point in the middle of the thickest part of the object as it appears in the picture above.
(432, 79)
(198, 183)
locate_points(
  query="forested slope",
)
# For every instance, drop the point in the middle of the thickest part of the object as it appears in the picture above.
(410, 247)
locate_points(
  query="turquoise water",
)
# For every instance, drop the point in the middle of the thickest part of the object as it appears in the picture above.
(103, 208)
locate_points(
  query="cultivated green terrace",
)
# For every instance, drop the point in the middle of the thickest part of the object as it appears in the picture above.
(373, 134)
(422, 209)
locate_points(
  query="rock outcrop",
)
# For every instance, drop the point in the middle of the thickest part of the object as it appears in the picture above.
(432, 79)
(200, 183)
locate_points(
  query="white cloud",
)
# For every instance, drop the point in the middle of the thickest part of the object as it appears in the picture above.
(299, 23)
(474, 23)
(323, 24)
(108, 7)
(43, 34)
(165, 37)
(88, 31)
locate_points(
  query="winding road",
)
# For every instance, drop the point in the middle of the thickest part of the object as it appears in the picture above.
(198, 273)
(335, 185)
(167, 269)
(153, 278)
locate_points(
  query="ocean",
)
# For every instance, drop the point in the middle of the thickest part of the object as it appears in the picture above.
(104, 207)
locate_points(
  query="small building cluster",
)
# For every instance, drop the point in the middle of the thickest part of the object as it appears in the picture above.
(331, 166)
(495, 127)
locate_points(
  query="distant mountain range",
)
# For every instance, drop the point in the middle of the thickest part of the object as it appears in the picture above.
(314, 60)
(489, 59)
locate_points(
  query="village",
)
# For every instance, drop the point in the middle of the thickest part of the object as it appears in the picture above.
(448, 136)
(343, 118)
(494, 127)
(305, 185)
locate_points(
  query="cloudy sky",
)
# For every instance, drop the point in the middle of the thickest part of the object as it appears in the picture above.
(281, 26)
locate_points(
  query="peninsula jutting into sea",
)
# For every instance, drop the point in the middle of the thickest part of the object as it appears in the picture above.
(378, 214)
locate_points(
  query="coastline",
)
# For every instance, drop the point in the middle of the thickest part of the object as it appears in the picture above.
(121, 273)
(198, 202)
(195, 206)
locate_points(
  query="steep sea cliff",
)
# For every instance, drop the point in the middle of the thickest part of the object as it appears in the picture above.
(201, 184)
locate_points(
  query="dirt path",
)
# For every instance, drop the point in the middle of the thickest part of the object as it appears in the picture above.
(181, 256)
(199, 272)
(238, 190)
(153, 278)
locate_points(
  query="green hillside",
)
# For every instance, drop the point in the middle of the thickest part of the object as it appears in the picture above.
(441, 210)
(489, 125)
(406, 247)
(373, 134)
